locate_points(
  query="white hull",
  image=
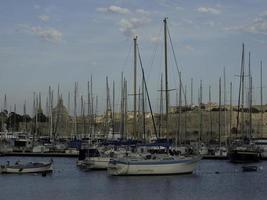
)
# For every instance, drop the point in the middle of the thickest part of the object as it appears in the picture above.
(24, 169)
(153, 167)
(97, 162)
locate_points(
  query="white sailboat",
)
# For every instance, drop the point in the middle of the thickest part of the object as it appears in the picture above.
(158, 165)
(155, 164)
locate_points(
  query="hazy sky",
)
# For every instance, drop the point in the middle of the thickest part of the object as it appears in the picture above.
(55, 42)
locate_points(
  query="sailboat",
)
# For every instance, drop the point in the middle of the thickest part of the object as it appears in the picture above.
(155, 164)
(244, 151)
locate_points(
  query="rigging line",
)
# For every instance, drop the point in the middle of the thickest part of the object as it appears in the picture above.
(147, 94)
(176, 63)
(155, 51)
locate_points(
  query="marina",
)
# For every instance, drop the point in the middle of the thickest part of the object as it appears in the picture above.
(133, 100)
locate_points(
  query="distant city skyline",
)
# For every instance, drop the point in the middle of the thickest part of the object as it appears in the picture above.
(63, 41)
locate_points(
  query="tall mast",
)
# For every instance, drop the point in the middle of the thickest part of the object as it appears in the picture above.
(92, 116)
(126, 109)
(250, 96)
(224, 101)
(261, 102)
(82, 113)
(241, 94)
(134, 92)
(139, 125)
(50, 111)
(231, 109)
(201, 114)
(113, 109)
(210, 112)
(75, 107)
(24, 115)
(108, 109)
(185, 115)
(180, 109)
(220, 93)
(166, 77)
(161, 105)
(122, 108)
(143, 110)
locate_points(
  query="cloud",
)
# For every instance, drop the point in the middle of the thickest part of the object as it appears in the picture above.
(134, 20)
(142, 12)
(46, 33)
(114, 9)
(129, 26)
(44, 18)
(49, 34)
(209, 10)
(257, 26)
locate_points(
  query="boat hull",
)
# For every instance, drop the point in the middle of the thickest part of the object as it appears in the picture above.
(20, 169)
(243, 156)
(97, 163)
(152, 167)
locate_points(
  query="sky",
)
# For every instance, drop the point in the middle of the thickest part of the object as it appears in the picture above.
(55, 42)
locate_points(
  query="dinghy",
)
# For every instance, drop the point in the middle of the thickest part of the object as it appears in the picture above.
(31, 167)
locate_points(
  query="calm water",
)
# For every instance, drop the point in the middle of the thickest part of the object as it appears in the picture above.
(69, 183)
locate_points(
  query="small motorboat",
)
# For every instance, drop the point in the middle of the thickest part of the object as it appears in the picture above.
(31, 167)
(250, 168)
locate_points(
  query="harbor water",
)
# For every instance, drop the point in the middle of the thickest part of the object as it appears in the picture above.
(213, 179)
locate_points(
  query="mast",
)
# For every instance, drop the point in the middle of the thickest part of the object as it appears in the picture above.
(135, 72)
(166, 77)
(201, 114)
(185, 115)
(210, 112)
(220, 93)
(261, 101)
(108, 108)
(113, 110)
(161, 105)
(143, 110)
(250, 97)
(95, 115)
(122, 108)
(75, 107)
(231, 109)
(139, 114)
(224, 101)
(92, 116)
(24, 116)
(82, 113)
(241, 94)
(88, 109)
(126, 109)
(180, 110)
(34, 115)
(50, 112)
